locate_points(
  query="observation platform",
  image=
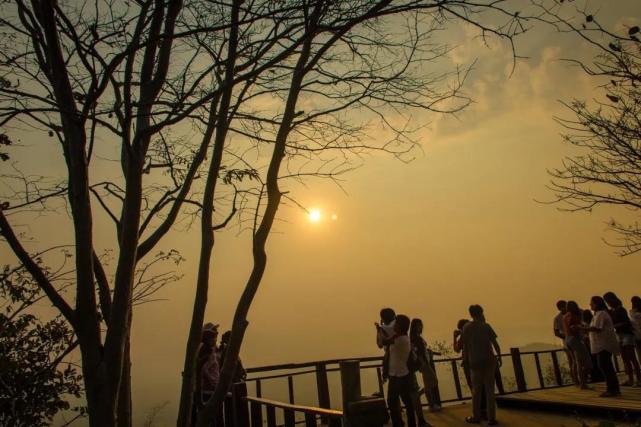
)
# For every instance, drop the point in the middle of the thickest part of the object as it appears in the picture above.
(532, 390)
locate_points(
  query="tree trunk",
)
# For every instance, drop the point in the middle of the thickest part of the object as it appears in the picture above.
(124, 395)
(207, 233)
(239, 325)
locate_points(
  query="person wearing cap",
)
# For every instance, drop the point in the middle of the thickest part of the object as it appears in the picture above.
(208, 367)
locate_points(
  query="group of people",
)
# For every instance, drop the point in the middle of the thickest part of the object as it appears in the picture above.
(211, 357)
(407, 353)
(591, 338)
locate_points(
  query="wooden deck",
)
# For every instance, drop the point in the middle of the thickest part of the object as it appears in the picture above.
(574, 400)
(454, 416)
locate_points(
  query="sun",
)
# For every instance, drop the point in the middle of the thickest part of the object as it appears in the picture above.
(314, 215)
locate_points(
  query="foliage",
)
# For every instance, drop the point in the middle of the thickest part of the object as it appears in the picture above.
(607, 132)
(34, 382)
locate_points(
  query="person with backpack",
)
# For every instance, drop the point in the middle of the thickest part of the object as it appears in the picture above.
(402, 382)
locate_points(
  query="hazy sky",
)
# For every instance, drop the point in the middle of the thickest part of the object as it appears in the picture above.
(458, 225)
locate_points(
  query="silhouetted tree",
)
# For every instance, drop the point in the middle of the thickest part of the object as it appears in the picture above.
(606, 170)
(36, 379)
(301, 82)
(95, 77)
(355, 65)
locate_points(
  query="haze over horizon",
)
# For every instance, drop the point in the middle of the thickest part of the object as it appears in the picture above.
(461, 223)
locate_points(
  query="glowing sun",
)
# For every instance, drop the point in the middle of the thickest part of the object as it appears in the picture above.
(314, 215)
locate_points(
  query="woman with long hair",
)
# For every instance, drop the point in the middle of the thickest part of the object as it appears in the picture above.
(635, 318)
(603, 344)
(422, 351)
(625, 334)
(572, 321)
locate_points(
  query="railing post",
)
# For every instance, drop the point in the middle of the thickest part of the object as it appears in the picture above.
(557, 369)
(271, 416)
(379, 377)
(310, 420)
(457, 381)
(290, 388)
(259, 389)
(437, 390)
(519, 375)
(350, 384)
(539, 371)
(322, 388)
(256, 414)
(241, 409)
(290, 418)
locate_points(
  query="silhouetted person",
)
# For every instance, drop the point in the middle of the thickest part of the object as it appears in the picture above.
(625, 334)
(572, 322)
(384, 332)
(457, 346)
(402, 383)
(603, 343)
(561, 305)
(430, 382)
(635, 318)
(477, 341)
(208, 370)
(239, 373)
(595, 373)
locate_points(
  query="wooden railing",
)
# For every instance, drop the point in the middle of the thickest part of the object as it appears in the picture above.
(259, 409)
(312, 415)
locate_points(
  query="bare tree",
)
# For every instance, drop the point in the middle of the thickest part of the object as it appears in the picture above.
(355, 65)
(117, 79)
(606, 131)
(96, 77)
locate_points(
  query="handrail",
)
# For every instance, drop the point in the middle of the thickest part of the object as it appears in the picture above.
(310, 364)
(259, 406)
(337, 361)
(297, 408)
(554, 350)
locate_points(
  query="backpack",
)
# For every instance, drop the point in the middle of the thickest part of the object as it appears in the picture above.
(413, 362)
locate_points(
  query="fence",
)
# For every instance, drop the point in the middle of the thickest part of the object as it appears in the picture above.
(515, 375)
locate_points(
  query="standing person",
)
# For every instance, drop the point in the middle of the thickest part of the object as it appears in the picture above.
(623, 328)
(635, 318)
(561, 305)
(458, 347)
(477, 341)
(208, 369)
(430, 382)
(239, 372)
(384, 332)
(402, 383)
(603, 343)
(572, 321)
(595, 374)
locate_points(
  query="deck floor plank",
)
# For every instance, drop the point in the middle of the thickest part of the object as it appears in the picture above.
(575, 398)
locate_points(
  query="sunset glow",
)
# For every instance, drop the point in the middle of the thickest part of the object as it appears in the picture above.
(314, 215)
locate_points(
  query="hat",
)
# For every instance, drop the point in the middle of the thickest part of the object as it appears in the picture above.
(210, 328)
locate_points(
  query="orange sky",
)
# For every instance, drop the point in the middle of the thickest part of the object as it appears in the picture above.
(456, 226)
